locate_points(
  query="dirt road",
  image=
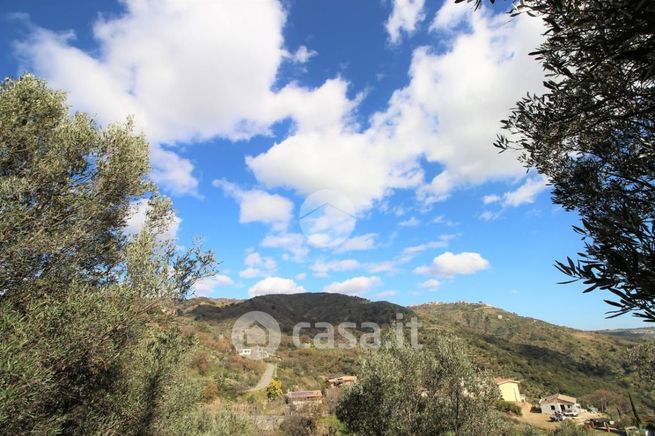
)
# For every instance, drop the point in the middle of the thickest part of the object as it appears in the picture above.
(266, 378)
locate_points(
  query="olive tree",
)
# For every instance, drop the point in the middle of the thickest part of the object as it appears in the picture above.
(406, 391)
(591, 134)
(87, 344)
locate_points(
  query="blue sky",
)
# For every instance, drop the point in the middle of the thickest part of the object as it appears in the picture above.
(326, 146)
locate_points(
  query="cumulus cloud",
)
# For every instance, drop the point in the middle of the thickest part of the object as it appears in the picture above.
(208, 285)
(259, 206)
(292, 243)
(490, 199)
(408, 253)
(411, 222)
(367, 241)
(144, 59)
(173, 172)
(488, 215)
(323, 269)
(447, 115)
(187, 71)
(302, 55)
(257, 265)
(136, 219)
(526, 193)
(449, 17)
(432, 284)
(353, 286)
(450, 264)
(275, 285)
(405, 15)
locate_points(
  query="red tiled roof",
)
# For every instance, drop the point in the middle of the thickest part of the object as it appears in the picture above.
(559, 398)
(502, 381)
(304, 395)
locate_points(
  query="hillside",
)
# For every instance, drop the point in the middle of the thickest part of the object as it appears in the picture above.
(289, 310)
(546, 358)
(638, 333)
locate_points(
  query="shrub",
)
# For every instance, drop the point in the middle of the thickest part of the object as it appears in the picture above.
(568, 428)
(87, 346)
(274, 390)
(298, 425)
(509, 407)
(401, 390)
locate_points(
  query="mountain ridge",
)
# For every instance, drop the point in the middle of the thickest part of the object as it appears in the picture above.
(546, 357)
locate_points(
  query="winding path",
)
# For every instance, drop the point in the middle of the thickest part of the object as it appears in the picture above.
(266, 378)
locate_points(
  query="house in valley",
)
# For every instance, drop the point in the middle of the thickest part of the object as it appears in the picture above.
(509, 389)
(340, 381)
(559, 403)
(300, 399)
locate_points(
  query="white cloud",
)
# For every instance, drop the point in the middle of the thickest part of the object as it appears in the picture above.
(411, 222)
(187, 70)
(489, 199)
(293, 243)
(405, 15)
(301, 276)
(136, 219)
(275, 285)
(432, 284)
(173, 172)
(257, 265)
(323, 269)
(526, 193)
(302, 55)
(207, 286)
(358, 243)
(471, 84)
(259, 206)
(488, 215)
(423, 270)
(441, 219)
(408, 253)
(449, 16)
(353, 286)
(450, 264)
(207, 60)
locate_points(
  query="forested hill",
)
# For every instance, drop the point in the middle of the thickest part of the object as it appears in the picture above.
(546, 358)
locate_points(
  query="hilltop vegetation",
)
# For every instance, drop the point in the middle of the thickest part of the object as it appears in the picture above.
(289, 310)
(546, 358)
(638, 333)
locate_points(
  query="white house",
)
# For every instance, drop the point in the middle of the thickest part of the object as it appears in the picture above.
(255, 352)
(558, 403)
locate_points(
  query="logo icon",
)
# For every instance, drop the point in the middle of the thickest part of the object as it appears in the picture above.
(256, 335)
(327, 218)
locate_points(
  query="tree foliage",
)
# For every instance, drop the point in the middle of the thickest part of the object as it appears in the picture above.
(87, 345)
(643, 359)
(591, 134)
(404, 391)
(274, 389)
